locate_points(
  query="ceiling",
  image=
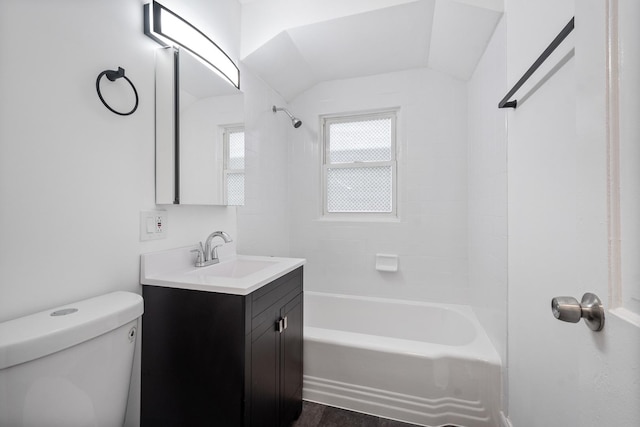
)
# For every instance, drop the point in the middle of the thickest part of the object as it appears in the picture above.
(445, 35)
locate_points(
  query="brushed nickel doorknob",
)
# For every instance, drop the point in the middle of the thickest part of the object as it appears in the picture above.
(568, 309)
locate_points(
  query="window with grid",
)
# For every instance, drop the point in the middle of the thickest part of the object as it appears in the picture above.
(359, 170)
(234, 165)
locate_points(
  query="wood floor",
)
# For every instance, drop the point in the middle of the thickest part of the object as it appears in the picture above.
(316, 415)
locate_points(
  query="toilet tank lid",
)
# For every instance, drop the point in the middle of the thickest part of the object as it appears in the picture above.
(40, 334)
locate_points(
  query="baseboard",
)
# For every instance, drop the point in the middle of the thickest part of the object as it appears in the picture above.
(396, 406)
(504, 420)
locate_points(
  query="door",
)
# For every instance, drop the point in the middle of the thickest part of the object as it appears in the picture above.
(561, 221)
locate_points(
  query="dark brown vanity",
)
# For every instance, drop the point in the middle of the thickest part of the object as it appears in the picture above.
(216, 359)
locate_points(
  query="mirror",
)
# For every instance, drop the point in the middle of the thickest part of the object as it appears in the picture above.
(199, 117)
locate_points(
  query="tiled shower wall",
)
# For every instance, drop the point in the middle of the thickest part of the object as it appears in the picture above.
(430, 236)
(263, 222)
(488, 192)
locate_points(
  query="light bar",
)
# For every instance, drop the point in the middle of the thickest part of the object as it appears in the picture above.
(169, 29)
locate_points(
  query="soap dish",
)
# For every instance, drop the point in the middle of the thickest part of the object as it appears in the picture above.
(387, 262)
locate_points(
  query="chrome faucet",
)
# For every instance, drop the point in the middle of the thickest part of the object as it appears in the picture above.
(208, 255)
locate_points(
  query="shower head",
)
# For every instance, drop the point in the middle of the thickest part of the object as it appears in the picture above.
(294, 120)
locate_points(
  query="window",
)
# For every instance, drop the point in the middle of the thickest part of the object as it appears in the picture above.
(234, 165)
(359, 167)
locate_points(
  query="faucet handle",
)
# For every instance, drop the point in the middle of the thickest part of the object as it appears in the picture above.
(200, 257)
(214, 251)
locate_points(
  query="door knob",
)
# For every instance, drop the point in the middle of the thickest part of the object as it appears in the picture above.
(568, 309)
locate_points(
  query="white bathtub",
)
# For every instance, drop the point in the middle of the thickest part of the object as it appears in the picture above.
(427, 364)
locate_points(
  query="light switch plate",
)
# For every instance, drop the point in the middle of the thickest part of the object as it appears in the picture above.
(153, 225)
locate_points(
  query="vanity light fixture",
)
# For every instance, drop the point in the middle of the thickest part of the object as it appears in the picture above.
(169, 29)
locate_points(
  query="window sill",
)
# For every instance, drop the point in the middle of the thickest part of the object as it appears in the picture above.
(358, 218)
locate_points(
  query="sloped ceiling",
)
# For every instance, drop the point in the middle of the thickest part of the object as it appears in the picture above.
(446, 35)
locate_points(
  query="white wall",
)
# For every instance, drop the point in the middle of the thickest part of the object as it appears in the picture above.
(73, 175)
(431, 236)
(487, 173)
(263, 221)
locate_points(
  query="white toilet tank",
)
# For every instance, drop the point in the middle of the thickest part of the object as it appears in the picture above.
(69, 366)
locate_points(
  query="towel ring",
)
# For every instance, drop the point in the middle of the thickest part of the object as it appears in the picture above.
(113, 76)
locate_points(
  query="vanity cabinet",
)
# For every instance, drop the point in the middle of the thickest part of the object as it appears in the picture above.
(213, 359)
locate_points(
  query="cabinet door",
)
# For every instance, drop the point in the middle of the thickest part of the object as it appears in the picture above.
(291, 362)
(265, 372)
(193, 353)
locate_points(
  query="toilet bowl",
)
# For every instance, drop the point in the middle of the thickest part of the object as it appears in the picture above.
(69, 366)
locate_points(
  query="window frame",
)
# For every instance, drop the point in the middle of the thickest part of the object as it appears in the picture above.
(325, 122)
(226, 131)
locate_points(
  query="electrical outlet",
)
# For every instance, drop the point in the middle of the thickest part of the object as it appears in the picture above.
(159, 223)
(153, 225)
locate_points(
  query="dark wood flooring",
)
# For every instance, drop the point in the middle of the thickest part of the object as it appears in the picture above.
(316, 415)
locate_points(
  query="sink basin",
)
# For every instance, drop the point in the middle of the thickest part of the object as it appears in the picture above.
(238, 267)
(236, 274)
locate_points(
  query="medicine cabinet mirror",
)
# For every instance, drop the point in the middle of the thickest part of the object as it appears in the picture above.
(194, 109)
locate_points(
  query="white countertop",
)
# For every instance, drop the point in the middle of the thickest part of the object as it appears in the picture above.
(236, 274)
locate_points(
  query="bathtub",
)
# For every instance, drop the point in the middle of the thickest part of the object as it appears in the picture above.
(422, 363)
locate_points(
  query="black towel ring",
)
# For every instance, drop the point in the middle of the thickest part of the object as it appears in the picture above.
(113, 76)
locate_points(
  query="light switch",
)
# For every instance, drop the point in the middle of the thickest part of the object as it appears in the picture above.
(151, 225)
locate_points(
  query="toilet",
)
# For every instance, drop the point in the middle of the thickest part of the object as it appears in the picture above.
(69, 366)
